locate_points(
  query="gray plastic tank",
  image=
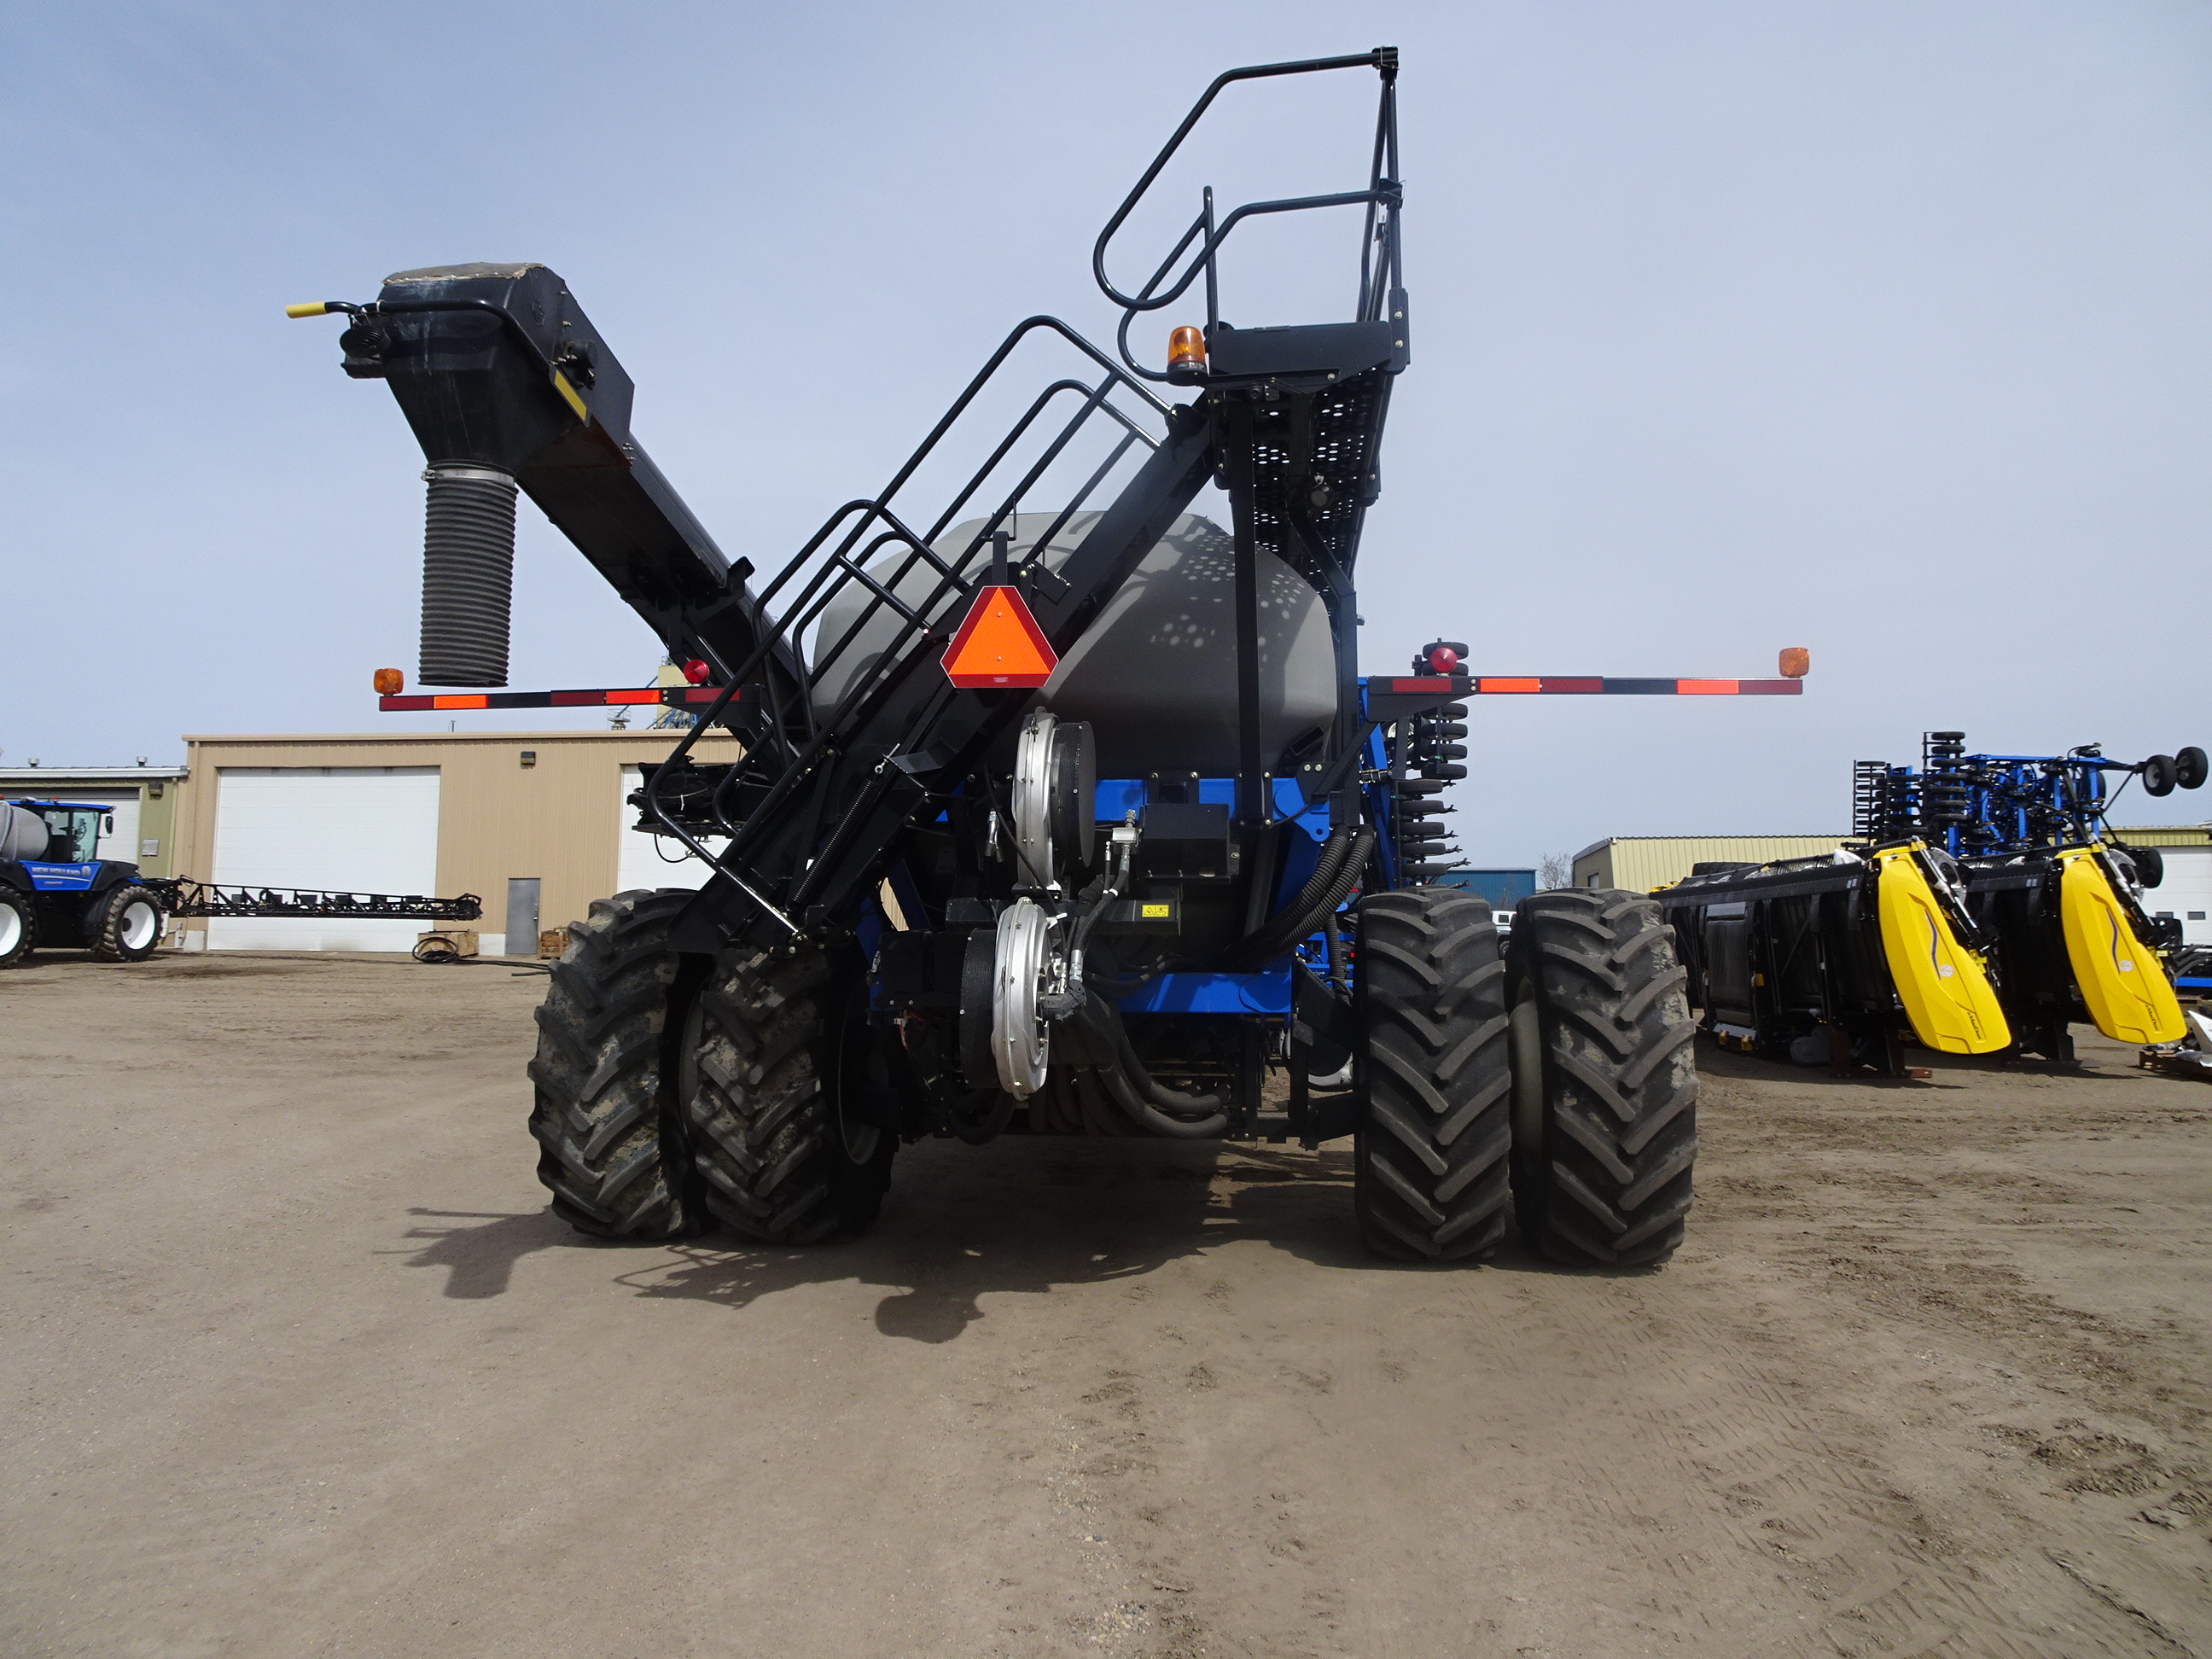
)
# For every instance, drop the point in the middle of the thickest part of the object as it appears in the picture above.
(1156, 674)
(23, 834)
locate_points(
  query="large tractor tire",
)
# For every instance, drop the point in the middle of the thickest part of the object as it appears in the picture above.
(1605, 1090)
(609, 1118)
(19, 927)
(1429, 1158)
(124, 925)
(780, 1048)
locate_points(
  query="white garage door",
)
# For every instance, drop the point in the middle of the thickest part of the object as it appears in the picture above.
(649, 860)
(354, 829)
(2186, 892)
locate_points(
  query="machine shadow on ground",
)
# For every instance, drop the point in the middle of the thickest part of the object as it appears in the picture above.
(1020, 1217)
(1713, 1060)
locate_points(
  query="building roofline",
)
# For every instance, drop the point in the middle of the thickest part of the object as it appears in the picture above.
(638, 734)
(13, 774)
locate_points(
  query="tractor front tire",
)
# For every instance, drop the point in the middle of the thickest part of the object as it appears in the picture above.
(125, 925)
(608, 1118)
(1605, 1088)
(770, 1040)
(1429, 1158)
(19, 927)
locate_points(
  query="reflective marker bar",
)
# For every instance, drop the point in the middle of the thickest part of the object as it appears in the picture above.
(672, 696)
(1582, 685)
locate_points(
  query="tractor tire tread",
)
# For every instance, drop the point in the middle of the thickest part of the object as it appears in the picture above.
(26, 910)
(765, 1134)
(1430, 1177)
(104, 927)
(1611, 1184)
(604, 1111)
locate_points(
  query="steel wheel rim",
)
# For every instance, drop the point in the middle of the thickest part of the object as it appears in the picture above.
(142, 923)
(11, 928)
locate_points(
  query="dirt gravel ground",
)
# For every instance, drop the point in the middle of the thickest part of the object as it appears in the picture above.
(295, 1362)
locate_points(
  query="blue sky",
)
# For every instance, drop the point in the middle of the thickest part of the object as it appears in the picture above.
(1878, 328)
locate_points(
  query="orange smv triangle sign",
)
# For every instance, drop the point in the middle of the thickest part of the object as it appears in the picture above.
(999, 644)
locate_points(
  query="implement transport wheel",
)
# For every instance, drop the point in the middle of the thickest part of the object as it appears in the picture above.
(608, 1119)
(778, 1048)
(124, 926)
(1429, 1157)
(1605, 1090)
(19, 927)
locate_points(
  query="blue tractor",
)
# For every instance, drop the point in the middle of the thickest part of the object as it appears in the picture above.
(1064, 809)
(55, 889)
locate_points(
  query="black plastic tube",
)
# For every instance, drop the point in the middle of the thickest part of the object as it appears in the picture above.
(1343, 857)
(468, 574)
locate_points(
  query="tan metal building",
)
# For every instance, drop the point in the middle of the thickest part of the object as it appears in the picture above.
(1640, 863)
(533, 823)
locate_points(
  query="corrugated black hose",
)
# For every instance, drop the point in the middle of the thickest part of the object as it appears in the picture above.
(1332, 878)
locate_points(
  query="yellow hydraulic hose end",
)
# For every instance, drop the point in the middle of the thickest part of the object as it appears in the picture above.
(311, 308)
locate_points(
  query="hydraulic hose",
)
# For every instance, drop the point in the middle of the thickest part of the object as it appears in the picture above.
(1332, 878)
(1149, 1104)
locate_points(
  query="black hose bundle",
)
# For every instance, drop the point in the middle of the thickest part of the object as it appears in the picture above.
(1343, 858)
(1154, 1105)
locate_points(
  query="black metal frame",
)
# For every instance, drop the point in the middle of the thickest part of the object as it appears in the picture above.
(1380, 261)
(791, 736)
(801, 821)
(183, 896)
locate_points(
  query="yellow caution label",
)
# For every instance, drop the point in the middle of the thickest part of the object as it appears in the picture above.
(575, 399)
(1151, 912)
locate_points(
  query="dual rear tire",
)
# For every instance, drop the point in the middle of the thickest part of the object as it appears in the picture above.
(124, 925)
(1557, 1073)
(673, 1091)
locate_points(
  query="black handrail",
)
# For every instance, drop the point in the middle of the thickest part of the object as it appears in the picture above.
(843, 568)
(1381, 198)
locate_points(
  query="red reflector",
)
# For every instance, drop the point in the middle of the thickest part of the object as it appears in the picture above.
(1769, 688)
(1706, 687)
(999, 644)
(1573, 684)
(401, 704)
(649, 694)
(1414, 687)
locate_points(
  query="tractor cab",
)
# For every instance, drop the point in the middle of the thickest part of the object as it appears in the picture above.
(73, 829)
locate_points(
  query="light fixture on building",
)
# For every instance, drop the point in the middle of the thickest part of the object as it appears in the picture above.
(530, 757)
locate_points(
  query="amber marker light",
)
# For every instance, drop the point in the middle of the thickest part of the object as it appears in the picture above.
(1797, 662)
(1186, 355)
(389, 682)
